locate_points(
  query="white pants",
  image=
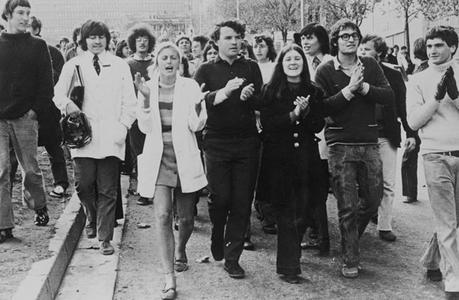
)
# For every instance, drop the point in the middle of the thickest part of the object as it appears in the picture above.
(388, 155)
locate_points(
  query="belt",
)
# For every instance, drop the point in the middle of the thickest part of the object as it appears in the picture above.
(448, 153)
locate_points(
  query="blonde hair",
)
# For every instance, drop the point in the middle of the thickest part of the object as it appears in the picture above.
(159, 48)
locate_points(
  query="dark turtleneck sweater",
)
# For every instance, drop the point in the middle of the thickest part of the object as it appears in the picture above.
(26, 77)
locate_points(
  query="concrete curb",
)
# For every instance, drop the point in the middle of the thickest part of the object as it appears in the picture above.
(44, 279)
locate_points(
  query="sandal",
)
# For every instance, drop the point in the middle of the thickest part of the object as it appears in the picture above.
(6, 234)
(181, 265)
(168, 294)
(57, 192)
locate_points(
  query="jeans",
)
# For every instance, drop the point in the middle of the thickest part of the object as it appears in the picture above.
(96, 183)
(442, 178)
(22, 133)
(232, 165)
(388, 154)
(356, 170)
(410, 172)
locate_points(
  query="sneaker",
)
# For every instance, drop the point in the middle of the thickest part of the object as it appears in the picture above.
(387, 235)
(349, 272)
(144, 201)
(234, 270)
(57, 192)
(434, 275)
(41, 217)
(106, 248)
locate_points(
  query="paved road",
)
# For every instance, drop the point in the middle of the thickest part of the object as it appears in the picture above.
(390, 270)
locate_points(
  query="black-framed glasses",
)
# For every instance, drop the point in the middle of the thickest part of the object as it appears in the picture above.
(346, 36)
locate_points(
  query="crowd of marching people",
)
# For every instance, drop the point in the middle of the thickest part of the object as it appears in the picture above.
(232, 119)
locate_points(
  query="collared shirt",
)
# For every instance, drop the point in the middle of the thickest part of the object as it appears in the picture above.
(232, 117)
(310, 59)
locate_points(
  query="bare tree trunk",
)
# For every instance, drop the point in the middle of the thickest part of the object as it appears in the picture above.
(407, 31)
(284, 35)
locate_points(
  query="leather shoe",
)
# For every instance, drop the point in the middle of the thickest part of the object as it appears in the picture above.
(292, 279)
(248, 245)
(387, 235)
(410, 200)
(234, 270)
(106, 248)
(434, 275)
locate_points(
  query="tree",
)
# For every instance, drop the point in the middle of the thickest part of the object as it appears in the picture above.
(409, 9)
(433, 10)
(282, 15)
(355, 10)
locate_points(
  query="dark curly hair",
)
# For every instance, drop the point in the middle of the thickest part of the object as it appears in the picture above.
(137, 30)
(334, 33)
(237, 26)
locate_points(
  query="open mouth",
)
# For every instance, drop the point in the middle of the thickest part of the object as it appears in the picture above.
(169, 68)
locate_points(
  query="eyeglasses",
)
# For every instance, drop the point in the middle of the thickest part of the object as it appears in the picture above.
(346, 36)
(141, 39)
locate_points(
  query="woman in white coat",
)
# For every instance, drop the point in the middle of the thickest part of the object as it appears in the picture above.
(170, 110)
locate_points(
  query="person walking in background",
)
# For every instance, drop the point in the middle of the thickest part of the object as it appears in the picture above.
(389, 132)
(353, 85)
(76, 47)
(433, 109)
(290, 119)
(109, 104)
(122, 49)
(170, 111)
(198, 44)
(231, 142)
(141, 41)
(313, 39)
(26, 92)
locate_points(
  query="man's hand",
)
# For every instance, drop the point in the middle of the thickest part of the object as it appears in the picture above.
(72, 109)
(355, 84)
(451, 85)
(410, 144)
(441, 87)
(247, 92)
(232, 85)
(142, 87)
(302, 104)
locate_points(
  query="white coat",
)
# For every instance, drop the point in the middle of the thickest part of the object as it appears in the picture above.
(185, 122)
(109, 102)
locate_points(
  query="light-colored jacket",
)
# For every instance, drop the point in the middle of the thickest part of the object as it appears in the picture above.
(185, 122)
(109, 102)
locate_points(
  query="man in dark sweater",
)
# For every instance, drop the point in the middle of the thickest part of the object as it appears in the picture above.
(389, 132)
(231, 143)
(141, 41)
(352, 87)
(26, 85)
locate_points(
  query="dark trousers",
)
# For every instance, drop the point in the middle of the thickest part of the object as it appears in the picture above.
(96, 183)
(57, 160)
(410, 172)
(136, 141)
(231, 172)
(356, 170)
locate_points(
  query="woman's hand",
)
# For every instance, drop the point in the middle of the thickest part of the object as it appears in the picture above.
(142, 87)
(301, 104)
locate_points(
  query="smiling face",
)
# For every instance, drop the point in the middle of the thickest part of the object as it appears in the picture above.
(350, 45)
(18, 20)
(310, 44)
(292, 64)
(438, 51)
(229, 43)
(96, 43)
(168, 62)
(261, 51)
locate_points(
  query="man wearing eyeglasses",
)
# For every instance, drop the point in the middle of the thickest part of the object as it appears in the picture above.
(353, 85)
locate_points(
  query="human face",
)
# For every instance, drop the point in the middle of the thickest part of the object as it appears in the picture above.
(141, 44)
(18, 20)
(126, 51)
(261, 51)
(212, 54)
(184, 45)
(368, 49)
(168, 62)
(403, 52)
(350, 46)
(196, 49)
(96, 43)
(229, 43)
(438, 51)
(310, 44)
(292, 63)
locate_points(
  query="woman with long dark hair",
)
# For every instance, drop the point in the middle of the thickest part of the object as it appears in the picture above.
(290, 119)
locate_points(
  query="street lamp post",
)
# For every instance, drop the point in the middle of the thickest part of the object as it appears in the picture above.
(237, 9)
(302, 13)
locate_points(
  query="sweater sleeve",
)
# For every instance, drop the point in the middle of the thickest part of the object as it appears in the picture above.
(331, 103)
(380, 90)
(44, 90)
(419, 108)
